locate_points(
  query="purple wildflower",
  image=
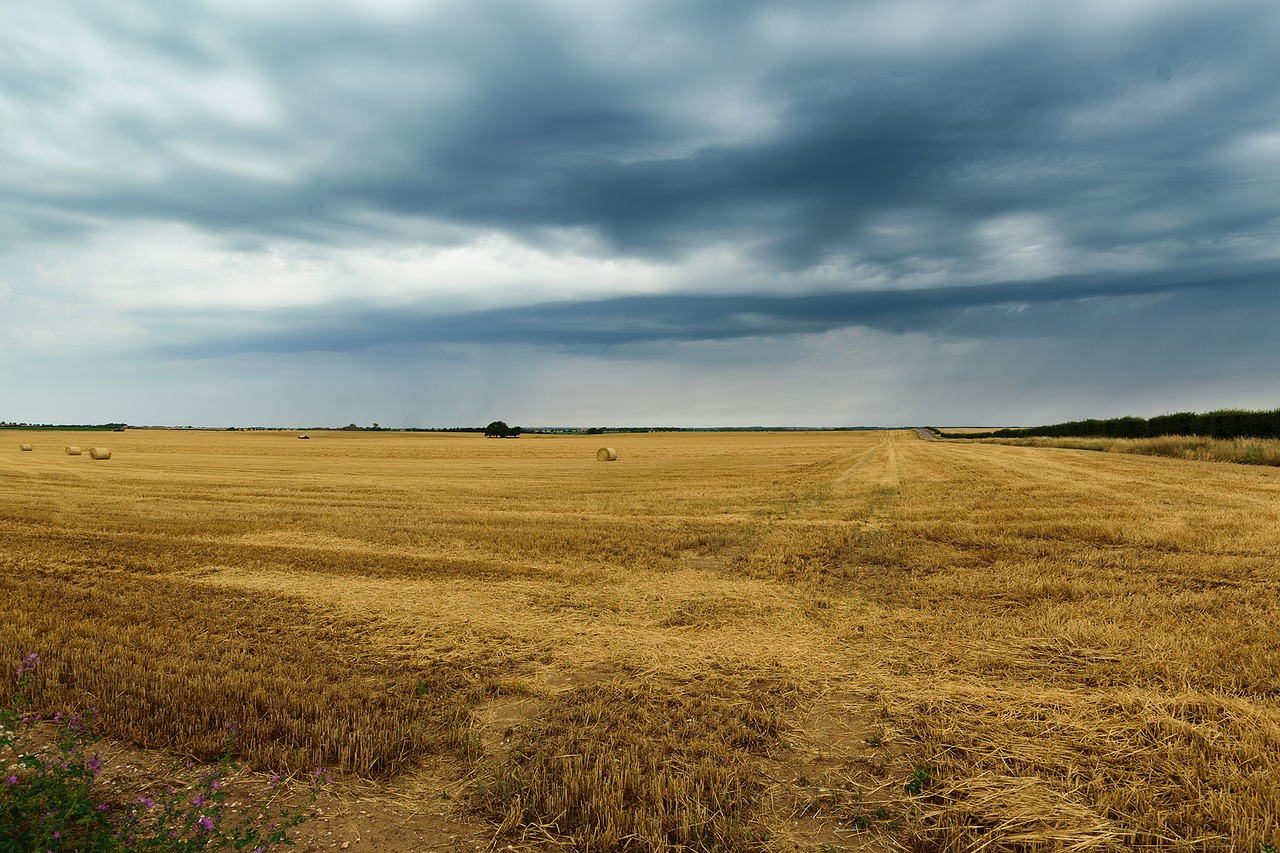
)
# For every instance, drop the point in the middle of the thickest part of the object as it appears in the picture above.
(12, 780)
(206, 823)
(198, 801)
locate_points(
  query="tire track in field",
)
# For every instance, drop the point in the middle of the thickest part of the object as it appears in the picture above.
(877, 464)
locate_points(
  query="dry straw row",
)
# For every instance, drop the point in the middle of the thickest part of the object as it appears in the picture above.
(174, 668)
(633, 765)
(1039, 769)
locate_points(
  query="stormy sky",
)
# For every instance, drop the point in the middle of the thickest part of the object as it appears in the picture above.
(637, 213)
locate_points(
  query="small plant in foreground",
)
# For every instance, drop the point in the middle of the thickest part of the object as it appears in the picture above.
(920, 779)
(865, 821)
(51, 797)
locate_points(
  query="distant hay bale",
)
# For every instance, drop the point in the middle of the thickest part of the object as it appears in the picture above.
(27, 447)
(73, 450)
(99, 452)
(607, 454)
(304, 436)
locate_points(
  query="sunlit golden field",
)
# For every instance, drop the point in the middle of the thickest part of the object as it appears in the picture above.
(859, 640)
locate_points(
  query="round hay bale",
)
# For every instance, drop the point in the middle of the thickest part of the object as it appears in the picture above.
(27, 447)
(607, 454)
(99, 452)
(73, 450)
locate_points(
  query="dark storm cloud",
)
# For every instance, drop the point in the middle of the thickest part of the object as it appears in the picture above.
(964, 137)
(512, 116)
(1066, 307)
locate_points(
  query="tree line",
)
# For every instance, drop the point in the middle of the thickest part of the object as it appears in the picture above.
(114, 427)
(1224, 423)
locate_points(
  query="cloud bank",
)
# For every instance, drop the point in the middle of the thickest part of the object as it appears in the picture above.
(806, 213)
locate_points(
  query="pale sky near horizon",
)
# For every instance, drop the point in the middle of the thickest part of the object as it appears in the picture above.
(433, 214)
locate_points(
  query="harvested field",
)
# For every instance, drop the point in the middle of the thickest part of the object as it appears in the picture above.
(1246, 451)
(775, 641)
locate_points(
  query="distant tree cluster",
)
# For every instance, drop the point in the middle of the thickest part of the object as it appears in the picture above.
(1226, 423)
(499, 429)
(114, 427)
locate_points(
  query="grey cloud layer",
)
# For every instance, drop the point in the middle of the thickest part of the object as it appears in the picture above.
(1051, 308)
(504, 116)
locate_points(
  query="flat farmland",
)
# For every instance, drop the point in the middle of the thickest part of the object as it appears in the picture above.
(736, 641)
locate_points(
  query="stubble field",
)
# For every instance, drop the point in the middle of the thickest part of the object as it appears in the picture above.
(721, 641)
